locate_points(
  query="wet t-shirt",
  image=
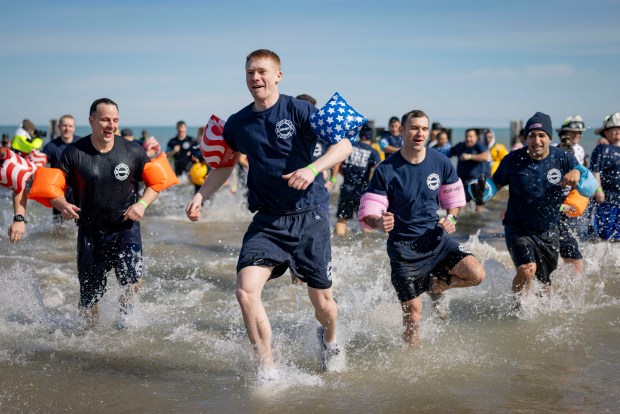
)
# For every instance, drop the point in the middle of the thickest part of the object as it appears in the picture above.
(183, 158)
(469, 170)
(535, 194)
(356, 168)
(412, 191)
(277, 141)
(606, 161)
(104, 184)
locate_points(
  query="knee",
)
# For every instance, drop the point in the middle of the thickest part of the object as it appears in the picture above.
(478, 274)
(244, 297)
(326, 307)
(412, 312)
(526, 271)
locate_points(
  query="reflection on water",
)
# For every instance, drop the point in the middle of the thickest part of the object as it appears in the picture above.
(186, 348)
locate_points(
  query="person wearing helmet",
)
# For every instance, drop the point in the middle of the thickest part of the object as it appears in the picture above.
(570, 135)
(606, 169)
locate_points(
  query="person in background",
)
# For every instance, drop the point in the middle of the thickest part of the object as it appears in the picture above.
(144, 136)
(570, 134)
(104, 171)
(391, 142)
(436, 129)
(6, 141)
(54, 150)
(605, 165)
(180, 148)
(152, 147)
(473, 160)
(127, 133)
(519, 141)
(497, 151)
(357, 170)
(443, 144)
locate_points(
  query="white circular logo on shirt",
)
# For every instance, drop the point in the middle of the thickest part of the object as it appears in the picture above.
(554, 176)
(121, 171)
(432, 181)
(285, 129)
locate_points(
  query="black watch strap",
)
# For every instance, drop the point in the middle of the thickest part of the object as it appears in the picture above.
(19, 217)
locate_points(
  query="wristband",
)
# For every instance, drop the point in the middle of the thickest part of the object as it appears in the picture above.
(333, 179)
(599, 190)
(141, 201)
(469, 157)
(453, 219)
(313, 169)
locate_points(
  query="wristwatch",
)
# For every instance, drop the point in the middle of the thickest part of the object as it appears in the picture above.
(19, 217)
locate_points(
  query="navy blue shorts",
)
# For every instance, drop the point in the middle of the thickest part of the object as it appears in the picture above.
(567, 230)
(99, 252)
(607, 221)
(414, 263)
(541, 248)
(298, 240)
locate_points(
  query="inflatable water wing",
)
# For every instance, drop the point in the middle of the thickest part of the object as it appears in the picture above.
(214, 148)
(337, 120)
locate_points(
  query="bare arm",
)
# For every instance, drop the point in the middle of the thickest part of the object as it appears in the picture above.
(136, 211)
(216, 178)
(18, 228)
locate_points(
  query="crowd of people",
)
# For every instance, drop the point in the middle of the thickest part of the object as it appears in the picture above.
(395, 182)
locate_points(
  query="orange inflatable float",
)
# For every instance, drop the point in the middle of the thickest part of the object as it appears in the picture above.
(158, 174)
(48, 183)
(576, 202)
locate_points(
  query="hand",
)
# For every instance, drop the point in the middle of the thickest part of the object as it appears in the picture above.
(329, 185)
(69, 211)
(16, 231)
(571, 179)
(300, 179)
(192, 210)
(465, 157)
(447, 225)
(599, 197)
(176, 148)
(384, 223)
(135, 212)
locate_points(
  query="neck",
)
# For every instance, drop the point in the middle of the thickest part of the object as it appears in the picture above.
(102, 146)
(413, 155)
(261, 105)
(67, 140)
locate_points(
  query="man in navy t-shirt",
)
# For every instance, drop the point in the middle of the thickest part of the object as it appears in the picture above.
(356, 170)
(54, 149)
(473, 160)
(290, 230)
(423, 257)
(391, 141)
(606, 167)
(104, 171)
(536, 176)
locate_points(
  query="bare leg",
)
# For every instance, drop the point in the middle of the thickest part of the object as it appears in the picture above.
(466, 273)
(129, 295)
(412, 313)
(341, 227)
(250, 283)
(576, 263)
(90, 315)
(522, 283)
(325, 311)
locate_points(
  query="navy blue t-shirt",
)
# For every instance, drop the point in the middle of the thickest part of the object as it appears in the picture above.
(356, 168)
(535, 194)
(277, 141)
(54, 149)
(391, 140)
(470, 170)
(104, 184)
(412, 191)
(606, 161)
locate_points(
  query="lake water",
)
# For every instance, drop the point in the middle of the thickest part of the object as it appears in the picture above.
(186, 350)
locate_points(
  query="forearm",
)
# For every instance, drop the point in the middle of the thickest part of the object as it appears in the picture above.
(216, 178)
(149, 196)
(58, 202)
(334, 155)
(19, 202)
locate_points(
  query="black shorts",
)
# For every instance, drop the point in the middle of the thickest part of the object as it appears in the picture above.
(99, 252)
(414, 263)
(567, 230)
(348, 204)
(298, 240)
(541, 248)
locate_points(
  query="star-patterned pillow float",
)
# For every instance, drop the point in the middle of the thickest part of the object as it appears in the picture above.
(337, 120)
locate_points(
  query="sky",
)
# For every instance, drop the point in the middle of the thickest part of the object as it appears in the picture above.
(465, 63)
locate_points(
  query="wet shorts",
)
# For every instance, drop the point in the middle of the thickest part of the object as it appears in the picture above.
(348, 204)
(542, 248)
(567, 229)
(414, 263)
(607, 221)
(298, 240)
(99, 253)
